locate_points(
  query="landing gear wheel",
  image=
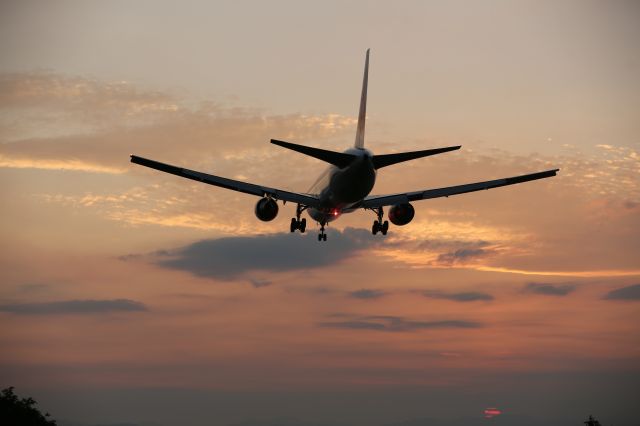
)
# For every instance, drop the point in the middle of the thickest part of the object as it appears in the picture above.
(375, 228)
(319, 237)
(385, 227)
(324, 237)
(296, 222)
(379, 225)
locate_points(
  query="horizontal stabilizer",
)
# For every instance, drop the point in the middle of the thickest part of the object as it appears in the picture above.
(380, 161)
(338, 159)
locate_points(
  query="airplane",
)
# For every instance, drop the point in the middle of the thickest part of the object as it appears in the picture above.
(346, 185)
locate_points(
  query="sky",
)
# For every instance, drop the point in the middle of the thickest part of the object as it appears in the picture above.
(133, 297)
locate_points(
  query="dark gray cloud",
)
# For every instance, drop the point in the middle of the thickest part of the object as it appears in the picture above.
(631, 292)
(456, 251)
(462, 255)
(549, 289)
(258, 283)
(356, 325)
(366, 293)
(232, 257)
(74, 307)
(314, 291)
(33, 287)
(451, 244)
(395, 324)
(469, 296)
(339, 315)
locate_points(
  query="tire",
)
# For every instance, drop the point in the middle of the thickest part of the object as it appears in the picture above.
(385, 227)
(303, 225)
(294, 224)
(324, 237)
(319, 237)
(375, 228)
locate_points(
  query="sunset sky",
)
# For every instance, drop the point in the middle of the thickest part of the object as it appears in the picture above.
(130, 296)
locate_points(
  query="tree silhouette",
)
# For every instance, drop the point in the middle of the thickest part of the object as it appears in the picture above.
(17, 411)
(592, 422)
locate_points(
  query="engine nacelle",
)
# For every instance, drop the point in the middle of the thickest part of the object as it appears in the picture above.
(266, 209)
(401, 214)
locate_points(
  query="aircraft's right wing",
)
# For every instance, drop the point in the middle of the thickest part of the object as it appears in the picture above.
(388, 200)
(234, 185)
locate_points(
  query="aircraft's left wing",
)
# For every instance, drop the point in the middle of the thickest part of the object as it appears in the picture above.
(234, 185)
(388, 200)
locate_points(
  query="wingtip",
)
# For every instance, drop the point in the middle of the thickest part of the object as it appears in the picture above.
(552, 172)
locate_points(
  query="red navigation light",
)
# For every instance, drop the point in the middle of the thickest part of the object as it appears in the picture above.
(335, 212)
(491, 412)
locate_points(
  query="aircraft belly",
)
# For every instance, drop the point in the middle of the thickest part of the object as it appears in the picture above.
(345, 188)
(350, 185)
(323, 215)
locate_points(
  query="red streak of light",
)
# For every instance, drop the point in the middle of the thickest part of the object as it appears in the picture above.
(491, 412)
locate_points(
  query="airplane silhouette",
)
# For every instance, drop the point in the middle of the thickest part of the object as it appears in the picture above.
(346, 185)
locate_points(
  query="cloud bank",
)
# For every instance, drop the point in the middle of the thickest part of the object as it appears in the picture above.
(631, 292)
(395, 324)
(469, 296)
(230, 258)
(549, 289)
(366, 293)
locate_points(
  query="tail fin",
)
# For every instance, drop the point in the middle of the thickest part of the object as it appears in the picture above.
(363, 105)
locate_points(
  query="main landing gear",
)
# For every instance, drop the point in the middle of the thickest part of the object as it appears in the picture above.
(296, 222)
(379, 225)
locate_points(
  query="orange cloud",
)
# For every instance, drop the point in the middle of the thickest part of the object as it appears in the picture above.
(582, 274)
(70, 164)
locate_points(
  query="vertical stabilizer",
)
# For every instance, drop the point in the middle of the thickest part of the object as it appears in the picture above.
(363, 105)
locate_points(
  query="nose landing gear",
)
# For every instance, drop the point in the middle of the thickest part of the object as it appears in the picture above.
(322, 236)
(379, 225)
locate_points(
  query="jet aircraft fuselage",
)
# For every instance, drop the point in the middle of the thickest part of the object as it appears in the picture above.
(339, 189)
(345, 186)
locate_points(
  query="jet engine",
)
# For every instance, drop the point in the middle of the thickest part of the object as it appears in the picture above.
(401, 214)
(266, 209)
